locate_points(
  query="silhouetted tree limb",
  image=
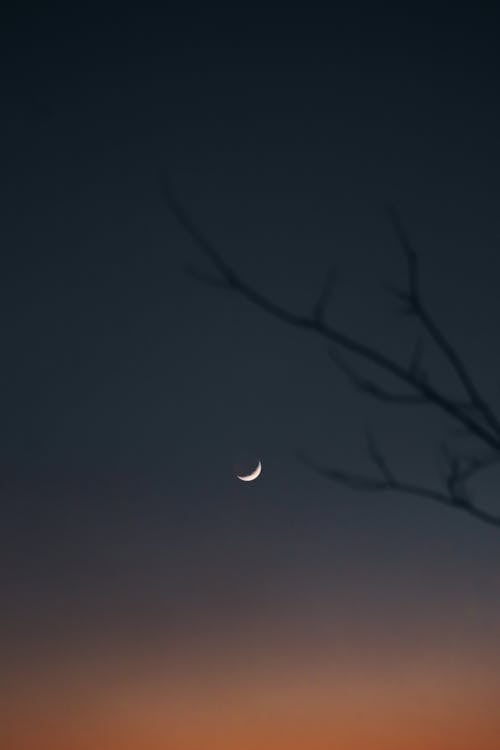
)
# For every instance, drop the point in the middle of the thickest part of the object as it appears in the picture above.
(417, 308)
(471, 412)
(386, 481)
(372, 388)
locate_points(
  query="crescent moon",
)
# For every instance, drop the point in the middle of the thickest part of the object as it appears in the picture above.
(253, 475)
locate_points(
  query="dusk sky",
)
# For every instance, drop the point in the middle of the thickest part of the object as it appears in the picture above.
(148, 598)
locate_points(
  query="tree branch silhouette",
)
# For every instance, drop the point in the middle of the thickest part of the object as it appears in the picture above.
(417, 308)
(471, 412)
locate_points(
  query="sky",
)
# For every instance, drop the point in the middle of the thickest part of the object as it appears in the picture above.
(148, 598)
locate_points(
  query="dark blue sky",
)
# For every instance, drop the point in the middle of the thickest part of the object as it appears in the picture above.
(128, 392)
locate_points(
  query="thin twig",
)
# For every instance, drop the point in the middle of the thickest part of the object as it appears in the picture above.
(383, 483)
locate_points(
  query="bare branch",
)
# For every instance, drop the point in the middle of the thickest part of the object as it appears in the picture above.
(474, 417)
(414, 301)
(227, 274)
(333, 335)
(379, 484)
(461, 469)
(453, 473)
(474, 466)
(373, 389)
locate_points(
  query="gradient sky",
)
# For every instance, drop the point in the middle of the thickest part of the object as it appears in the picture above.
(148, 599)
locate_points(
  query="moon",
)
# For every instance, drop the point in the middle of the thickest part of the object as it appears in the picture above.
(253, 475)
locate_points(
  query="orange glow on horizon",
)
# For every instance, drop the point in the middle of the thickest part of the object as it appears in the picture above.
(259, 706)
